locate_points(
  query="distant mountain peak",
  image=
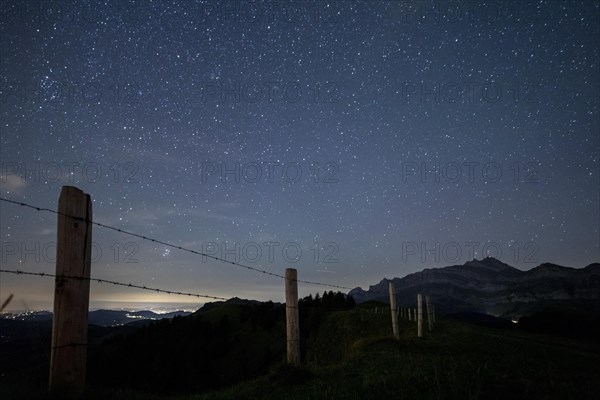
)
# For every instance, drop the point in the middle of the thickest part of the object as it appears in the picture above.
(489, 263)
(548, 265)
(491, 286)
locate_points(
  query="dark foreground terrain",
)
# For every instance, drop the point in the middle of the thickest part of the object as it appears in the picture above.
(236, 350)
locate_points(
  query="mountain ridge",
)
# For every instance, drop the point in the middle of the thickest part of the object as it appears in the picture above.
(493, 287)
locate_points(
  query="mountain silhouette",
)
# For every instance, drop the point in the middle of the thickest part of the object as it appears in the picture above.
(492, 287)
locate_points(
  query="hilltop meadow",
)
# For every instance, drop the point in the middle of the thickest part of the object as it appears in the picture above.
(236, 350)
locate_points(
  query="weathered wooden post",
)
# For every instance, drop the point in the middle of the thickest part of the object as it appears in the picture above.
(429, 320)
(419, 315)
(292, 316)
(71, 294)
(393, 311)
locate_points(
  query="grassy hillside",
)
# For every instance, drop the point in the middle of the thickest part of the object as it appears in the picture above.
(348, 355)
(354, 358)
(211, 349)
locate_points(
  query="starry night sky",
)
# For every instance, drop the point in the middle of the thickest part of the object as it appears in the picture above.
(366, 134)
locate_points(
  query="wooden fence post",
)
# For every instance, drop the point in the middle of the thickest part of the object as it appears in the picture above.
(393, 311)
(429, 320)
(71, 294)
(419, 315)
(292, 316)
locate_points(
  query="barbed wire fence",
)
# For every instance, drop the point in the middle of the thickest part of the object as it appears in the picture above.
(72, 280)
(164, 243)
(98, 280)
(73, 362)
(375, 310)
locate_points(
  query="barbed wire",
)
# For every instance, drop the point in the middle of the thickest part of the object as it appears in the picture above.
(131, 285)
(301, 305)
(164, 243)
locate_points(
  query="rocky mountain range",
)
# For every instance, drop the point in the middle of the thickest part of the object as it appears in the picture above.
(492, 287)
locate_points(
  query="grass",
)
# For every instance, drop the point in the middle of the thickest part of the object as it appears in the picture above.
(353, 356)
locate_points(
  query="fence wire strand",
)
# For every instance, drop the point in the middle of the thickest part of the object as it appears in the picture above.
(174, 246)
(98, 280)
